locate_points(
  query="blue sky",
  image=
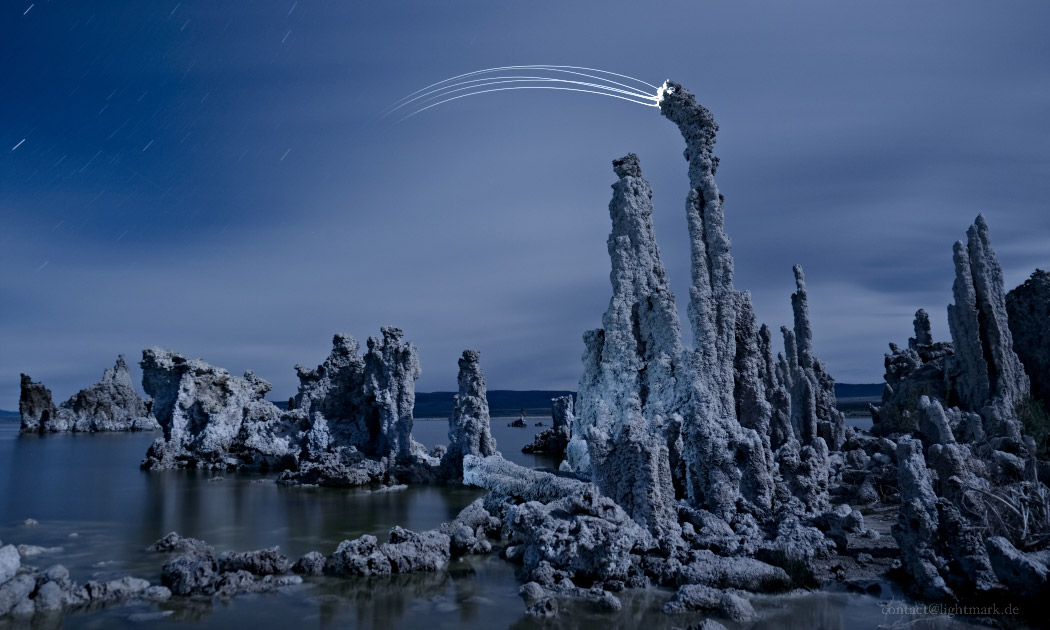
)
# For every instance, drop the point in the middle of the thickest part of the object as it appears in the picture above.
(205, 177)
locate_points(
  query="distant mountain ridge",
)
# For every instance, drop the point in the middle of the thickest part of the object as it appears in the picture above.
(535, 402)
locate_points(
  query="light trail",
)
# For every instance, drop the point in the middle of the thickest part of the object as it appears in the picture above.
(529, 87)
(606, 86)
(474, 83)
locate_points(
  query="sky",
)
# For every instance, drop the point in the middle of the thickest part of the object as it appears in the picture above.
(211, 178)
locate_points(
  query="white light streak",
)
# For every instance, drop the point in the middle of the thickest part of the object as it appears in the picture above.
(19, 144)
(528, 87)
(605, 84)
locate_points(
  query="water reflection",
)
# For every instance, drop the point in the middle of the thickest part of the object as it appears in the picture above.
(91, 485)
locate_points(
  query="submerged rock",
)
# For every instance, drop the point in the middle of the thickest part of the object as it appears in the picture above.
(199, 571)
(694, 597)
(26, 591)
(112, 404)
(406, 551)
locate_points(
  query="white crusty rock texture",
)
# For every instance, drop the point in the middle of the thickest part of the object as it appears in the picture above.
(351, 423)
(656, 422)
(214, 420)
(469, 432)
(629, 395)
(112, 404)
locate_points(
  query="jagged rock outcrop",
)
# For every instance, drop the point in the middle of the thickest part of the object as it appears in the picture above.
(553, 441)
(969, 495)
(654, 421)
(35, 405)
(814, 411)
(629, 393)
(214, 420)
(469, 432)
(366, 401)
(335, 388)
(911, 373)
(391, 370)
(1028, 307)
(984, 374)
(978, 372)
(112, 404)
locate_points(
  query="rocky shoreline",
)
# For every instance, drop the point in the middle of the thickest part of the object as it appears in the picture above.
(723, 471)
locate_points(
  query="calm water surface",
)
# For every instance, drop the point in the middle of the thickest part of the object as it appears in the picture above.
(91, 499)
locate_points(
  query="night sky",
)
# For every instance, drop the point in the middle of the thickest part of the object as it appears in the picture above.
(208, 177)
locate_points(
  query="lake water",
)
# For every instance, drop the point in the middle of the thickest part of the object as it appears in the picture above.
(91, 499)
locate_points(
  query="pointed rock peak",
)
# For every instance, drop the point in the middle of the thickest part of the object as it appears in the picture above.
(800, 278)
(344, 345)
(923, 334)
(627, 166)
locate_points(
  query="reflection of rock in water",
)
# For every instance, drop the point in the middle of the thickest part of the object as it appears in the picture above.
(377, 601)
(640, 610)
(814, 611)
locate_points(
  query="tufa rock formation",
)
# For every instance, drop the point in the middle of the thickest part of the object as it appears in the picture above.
(973, 517)
(34, 597)
(213, 420)
(555, 440)
(1028, 307)
(112, 404)
(35, 406)
(629, 389)
(984, 375)
(671, 475)
(656, 422)
(351, 423)
(726, 459)
(469, 432)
